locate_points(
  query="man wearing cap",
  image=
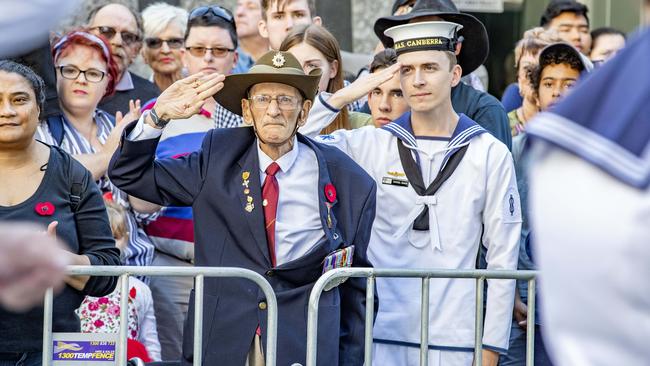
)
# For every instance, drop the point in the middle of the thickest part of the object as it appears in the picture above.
(557, 70)
(445, 188)
(264, 198)
(471, 51)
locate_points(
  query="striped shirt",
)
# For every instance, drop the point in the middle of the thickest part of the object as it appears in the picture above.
(140, 250)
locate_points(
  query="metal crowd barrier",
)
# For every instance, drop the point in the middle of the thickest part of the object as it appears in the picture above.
(425, 275)
(199, 273)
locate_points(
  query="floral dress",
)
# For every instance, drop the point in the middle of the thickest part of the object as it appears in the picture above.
(102, 314)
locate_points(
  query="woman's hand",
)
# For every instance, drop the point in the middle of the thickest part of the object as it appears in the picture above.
(77, 282)
(362, 86)
(185, 97)
(121, 121)
(132, 115)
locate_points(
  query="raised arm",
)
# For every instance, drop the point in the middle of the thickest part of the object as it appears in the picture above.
(166, 182)
(97, 163)
(327, 106)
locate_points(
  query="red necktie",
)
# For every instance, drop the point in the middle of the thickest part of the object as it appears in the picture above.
(270, 192)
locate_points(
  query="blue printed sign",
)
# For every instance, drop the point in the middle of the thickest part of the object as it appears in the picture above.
(84, 349)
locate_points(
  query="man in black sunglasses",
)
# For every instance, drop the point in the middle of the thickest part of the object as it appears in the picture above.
(122, 28)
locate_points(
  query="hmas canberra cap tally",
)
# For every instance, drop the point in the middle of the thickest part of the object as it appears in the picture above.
(423, 36)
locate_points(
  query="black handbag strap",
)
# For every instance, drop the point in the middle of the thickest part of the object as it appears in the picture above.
(414, 176)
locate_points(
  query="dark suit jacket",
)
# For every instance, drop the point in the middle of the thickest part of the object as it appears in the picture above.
(143, 89)
(483, 108)
(210, 180)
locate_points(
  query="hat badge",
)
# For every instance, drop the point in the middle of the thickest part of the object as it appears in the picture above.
(278, 60)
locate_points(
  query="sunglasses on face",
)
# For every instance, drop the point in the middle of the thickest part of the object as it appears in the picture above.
(110, 32)
(156, 43)
(215, 10)
(216, 52)
(72, 73)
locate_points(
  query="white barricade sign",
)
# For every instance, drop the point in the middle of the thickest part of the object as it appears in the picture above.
(77, 349)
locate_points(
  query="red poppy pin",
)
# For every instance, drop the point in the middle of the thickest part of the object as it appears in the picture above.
(108, 196)
(132, 293)
(330, 192)
(44, 208)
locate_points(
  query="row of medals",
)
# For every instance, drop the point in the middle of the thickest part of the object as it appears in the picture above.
(249, 199)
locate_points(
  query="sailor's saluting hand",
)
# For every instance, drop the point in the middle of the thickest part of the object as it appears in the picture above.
(184, 98)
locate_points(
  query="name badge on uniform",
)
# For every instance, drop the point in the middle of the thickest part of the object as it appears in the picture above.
(395, 182)
(338, 259)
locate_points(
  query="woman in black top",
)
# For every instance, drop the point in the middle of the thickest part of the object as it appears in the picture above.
(38, 183)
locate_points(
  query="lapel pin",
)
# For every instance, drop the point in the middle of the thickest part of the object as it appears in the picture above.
(265, 202)
(244, 176)
(330, 195)
(329, 215)
(249, 204)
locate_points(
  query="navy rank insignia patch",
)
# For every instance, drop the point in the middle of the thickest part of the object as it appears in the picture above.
(395, 182)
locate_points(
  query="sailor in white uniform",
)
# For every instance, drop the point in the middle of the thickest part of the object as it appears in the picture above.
(417, 226)
(590, 210)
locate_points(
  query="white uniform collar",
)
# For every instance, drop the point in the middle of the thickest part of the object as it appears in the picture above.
(465, 130)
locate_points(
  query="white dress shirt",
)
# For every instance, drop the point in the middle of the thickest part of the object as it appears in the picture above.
(298, 226)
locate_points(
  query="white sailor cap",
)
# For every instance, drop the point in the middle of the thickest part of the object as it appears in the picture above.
(422, 36)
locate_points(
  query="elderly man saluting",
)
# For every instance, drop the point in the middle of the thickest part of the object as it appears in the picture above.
(264, 198)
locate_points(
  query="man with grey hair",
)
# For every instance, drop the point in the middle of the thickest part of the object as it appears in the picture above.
(122, 27)
(164, 30)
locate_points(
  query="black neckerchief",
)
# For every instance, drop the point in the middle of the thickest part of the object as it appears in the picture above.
(415, 178)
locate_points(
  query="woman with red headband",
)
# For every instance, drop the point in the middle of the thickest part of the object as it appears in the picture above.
(86, 73)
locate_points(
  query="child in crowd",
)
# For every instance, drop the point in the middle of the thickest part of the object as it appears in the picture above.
(102, 314)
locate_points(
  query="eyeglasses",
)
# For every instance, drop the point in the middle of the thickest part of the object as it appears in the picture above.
(156, 43)
(285, 102)
(216, 51)
(110, 32)
(72, 73)
(216, 10)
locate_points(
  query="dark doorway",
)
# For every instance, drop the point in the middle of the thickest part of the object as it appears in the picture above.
(504, 30)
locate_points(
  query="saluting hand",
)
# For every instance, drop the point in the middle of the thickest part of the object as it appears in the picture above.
(362, 86)
(185, 97)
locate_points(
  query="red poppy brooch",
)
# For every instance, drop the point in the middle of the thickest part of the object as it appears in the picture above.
(44, 208)
(330, 192)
